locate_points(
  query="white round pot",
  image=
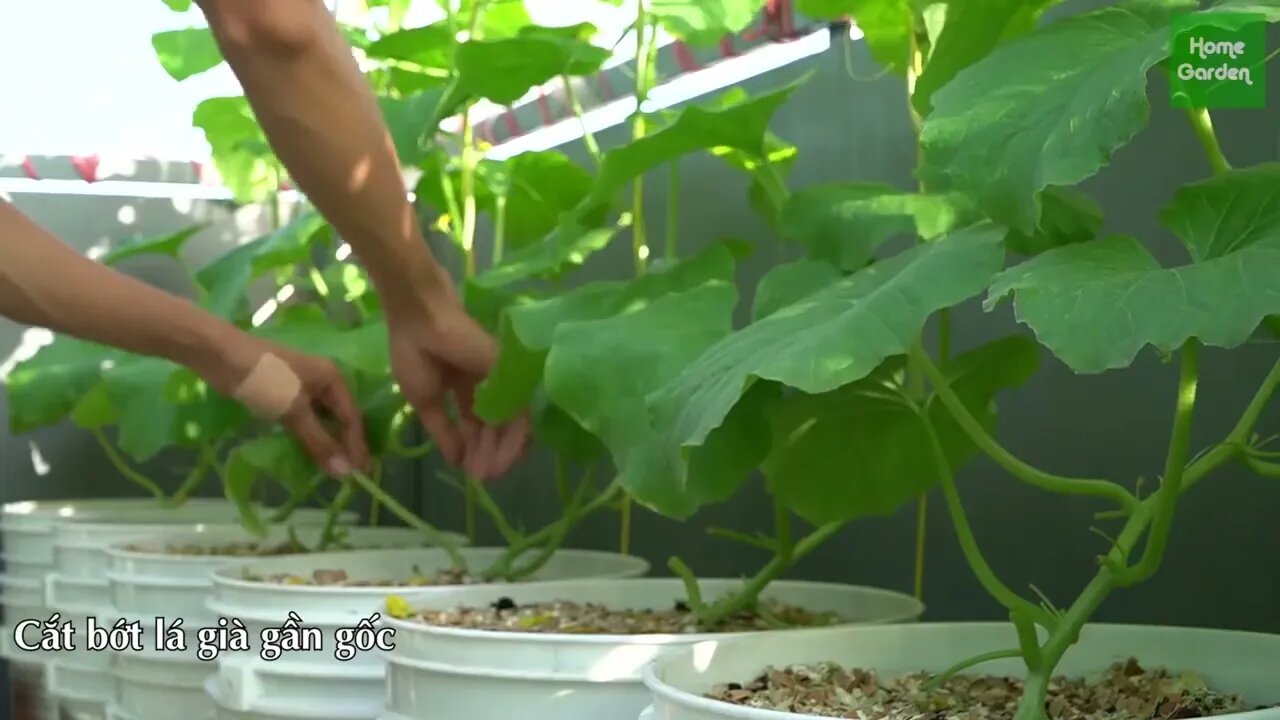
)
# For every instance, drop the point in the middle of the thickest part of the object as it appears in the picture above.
(77, 587)
(454, 672)
(1229, 661)
(149, 685)
(317, 681)
(26, 528)
(146, 582)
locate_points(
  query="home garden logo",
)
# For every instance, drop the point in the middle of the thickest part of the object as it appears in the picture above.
(1219, 61)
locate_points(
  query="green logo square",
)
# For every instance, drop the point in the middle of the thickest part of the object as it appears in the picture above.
(1218, 61)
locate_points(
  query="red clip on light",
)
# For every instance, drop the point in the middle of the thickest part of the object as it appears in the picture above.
(86, 167)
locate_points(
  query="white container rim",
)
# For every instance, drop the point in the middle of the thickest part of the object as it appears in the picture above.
(660, 688)
(912, 609)
(156, 580)
(232, 575)
(125, 549)
(493, 673)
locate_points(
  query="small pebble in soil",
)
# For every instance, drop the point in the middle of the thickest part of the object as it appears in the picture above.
(1126, 691)
(565, 617)
(504, 603)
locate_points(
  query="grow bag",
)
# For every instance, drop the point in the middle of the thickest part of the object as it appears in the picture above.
(452, 672)
(316, 684)
(1229, 661)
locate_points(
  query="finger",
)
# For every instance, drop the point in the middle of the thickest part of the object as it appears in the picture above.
(338, 400)
(512, 445)
(465, 399)
(443, 433)
(480, 456)
(302, 421)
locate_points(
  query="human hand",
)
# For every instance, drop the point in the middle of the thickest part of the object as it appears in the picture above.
(438, 353)
(299, 391)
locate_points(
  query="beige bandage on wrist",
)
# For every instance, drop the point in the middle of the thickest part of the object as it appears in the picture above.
(270, 389)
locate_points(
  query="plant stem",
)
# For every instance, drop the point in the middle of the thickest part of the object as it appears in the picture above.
(346, 493)
(937, 680)
(123, 468)
(593, 148)
(552, 535)
(1203, 126)
(1166, 498)
(406, 515)
(1018, 468)
(207, 458)
(673, 209)
(375, 505)
(1012, 601)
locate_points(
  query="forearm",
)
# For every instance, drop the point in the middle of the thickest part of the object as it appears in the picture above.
(324, 124)
(44, 282)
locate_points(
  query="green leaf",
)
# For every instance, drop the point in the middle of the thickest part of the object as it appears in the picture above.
(363, 349)
(43, 389)
(429, 47)
(554, 428)
(414, 121)
(1068, 216)
(506, 69)
(569, 245)
(887, 25)
(141, 389)
(706, 22)
(187, 52)
(844, 223)
(787, 284)
(178, 5)
(856, 451)
(544, 186)
(168, 245)
(529, 329)
(742, 126)
(828, 339)
(601, 371)
(95, 410)
(1037, 112)
(226, 279)
(1097, 304)
(239, 148)
(976, 377)
(973, 30)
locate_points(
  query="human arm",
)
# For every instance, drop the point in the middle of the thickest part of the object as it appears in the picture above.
(324, 124)
(44, 282)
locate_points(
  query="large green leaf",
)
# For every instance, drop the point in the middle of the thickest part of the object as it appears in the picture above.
(529, 329)
(142, 391)
(187, 52)
(600, 372)
(506, 69)
(971, 31)
(741, 126)
(887, 25)
(543, 187)
(226, 279)
(414, 121)
(279, 458)
(363, 349)
(844, 223)
(568, 246)
(1095, 305)
(787, 284)
(706, 22)
(168, 245)
(1039, 112)
(826, 340)
(429, 47)
(1067, 216)
(239, 147)
(43, 389)
(178, 5)
(863, 449)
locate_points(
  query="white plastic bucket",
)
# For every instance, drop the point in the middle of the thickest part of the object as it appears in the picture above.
(315, 681)
(149, 685)
(454, 672)
(77, 588)
(145, 581)
(1229, 661)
